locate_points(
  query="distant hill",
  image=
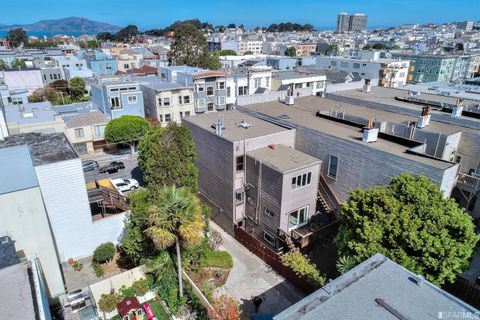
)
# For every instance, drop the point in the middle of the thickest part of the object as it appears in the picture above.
(66, 25)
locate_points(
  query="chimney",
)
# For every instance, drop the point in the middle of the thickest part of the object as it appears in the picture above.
(424, 118)
(457, 108)
(370, 133)
(367, 86)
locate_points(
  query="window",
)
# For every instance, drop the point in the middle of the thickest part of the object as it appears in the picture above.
(160, 117)
(250, 200)
(115, 103)
(166, 102)
(200, 88)
(99, 131)
(220, 101)
(186, 99)
(301, 180)
(239, 197)
(267, 81)
(242, 91)
(256, 82)
(344, 64)
(79, 133)
(51, 76)
(320, 84)
(168, 117)
(210, 106)
(220, 85)
(187, 113)
(269, 213)
(298, 85)
(356, 65)
(201, 103)
(159, 101)
(126, 66)
(132, 99)
(269, 238)
(240, 163)
(17, 101)
(228, 91)
(180, 100)
(210, 91)
(298, 218)
(333, 167)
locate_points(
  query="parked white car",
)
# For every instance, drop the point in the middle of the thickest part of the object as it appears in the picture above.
(125, 184)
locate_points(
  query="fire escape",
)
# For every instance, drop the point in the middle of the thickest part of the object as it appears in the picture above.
(108, 199)
(468, 185)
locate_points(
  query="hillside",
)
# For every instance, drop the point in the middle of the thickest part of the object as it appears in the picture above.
(72, 24)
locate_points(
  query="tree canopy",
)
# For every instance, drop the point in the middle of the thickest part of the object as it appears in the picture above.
(288, 26)
(189, 47)
(16, 37)
(291, 52)
(17, 63)
(105, 36)
(167, 157)
(410, 222)
(127, 129)
(127, 34)
(226, 52)
(77, 87)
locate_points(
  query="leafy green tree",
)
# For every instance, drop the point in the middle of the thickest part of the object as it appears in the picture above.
(127, 129)
(303, 268)
(395, 47)
(77, 88)
(345, 263)
(175, 217)
(246, 53)
(60, 85)
(189, 48)
(231, 26)
(226, 52)
(410, 222)
(331, 48)
(17, 63)
(16, 37)
(3, 65)
(167, 157)
(127, 34)
(44, 94)
(291, 52)
(107, 302)
(105, 36)
(213, 62)
(140, 287)
(379, 46)
(367, 47)
(104, 252)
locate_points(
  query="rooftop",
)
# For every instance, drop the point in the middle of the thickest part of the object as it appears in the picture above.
(294, 74)
(86, 119)
(354, 295)
(158, 84)
(303, 114)
(17, 172)
(44, 148)
(231, 121)
(283, 158)
(30, 113)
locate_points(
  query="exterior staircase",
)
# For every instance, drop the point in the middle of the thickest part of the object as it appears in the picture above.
(109, 198)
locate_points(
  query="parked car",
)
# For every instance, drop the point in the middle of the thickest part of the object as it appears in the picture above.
(444, 93)
(125, 184)
(89, 165)
(112, 167)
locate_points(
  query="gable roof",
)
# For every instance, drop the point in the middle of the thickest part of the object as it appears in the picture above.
(126, 305)
(86, 119)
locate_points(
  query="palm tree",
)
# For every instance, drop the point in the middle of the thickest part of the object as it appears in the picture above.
(175, 217)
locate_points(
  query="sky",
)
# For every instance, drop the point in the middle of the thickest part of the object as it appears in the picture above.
(322, 14)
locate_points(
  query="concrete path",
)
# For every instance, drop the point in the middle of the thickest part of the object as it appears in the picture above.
(251, 277)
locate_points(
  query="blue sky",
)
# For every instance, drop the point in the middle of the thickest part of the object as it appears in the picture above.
(320, 13)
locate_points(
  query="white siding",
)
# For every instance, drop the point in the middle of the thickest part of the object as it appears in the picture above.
(65, 195)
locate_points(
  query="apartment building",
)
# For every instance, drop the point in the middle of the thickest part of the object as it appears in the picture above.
(101, 64)
(355, 23)
(389, 72)
(209, 87)
(86, 130)
(117, 96)
(430, 68)
(166, 102)
(299, 83)
(351, 156)
(128, 59)
(305, 49)
(248, 81)
(252, 177)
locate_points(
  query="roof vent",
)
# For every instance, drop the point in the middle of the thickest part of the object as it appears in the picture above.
(424, 118)
(457, 109)
(370, 133)
(419, 280)
(367, 87)
(244, 124)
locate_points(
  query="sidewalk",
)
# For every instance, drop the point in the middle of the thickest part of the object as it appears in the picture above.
(251, 276)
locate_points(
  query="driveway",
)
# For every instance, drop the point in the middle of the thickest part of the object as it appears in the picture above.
(251, 276)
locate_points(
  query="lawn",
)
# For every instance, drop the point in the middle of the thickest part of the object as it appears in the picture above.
(158, 310)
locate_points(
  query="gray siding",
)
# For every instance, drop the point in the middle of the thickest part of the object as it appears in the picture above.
(216, 168)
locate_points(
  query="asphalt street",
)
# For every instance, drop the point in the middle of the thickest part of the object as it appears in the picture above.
(131, 170)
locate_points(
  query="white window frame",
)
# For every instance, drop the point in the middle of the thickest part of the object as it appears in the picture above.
(201, 103)
(185, 98)
(242, 196)
(213, 91)
(81, 133)
(132, 99)
(219, 85)
(307, 176)
(167, 102)
(274, 244)
(219, 102)
(298, 225)
(97, 130)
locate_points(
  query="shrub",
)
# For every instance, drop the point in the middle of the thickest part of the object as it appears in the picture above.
(124, 292)
(215, 240)
(140, 287)
(104, 252)
(224, 308)
(98, 269)
(303, 268)
(218, 259)
(107, 302)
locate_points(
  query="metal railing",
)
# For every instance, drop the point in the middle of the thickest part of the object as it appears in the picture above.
(470, 181)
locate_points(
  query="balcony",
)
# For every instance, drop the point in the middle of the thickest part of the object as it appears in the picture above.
(470, 183)
(314, 229)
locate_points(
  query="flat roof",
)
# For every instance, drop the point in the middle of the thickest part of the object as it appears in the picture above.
(292, 74)
(44, 148)
(232, 130)
(283, 158)
(387, 96)
(303, 113)
(354, 295)
(17, 302)
(158, 84)
(16, 171)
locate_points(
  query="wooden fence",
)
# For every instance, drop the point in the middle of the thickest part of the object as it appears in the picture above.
(271, 258)
(466, 290)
